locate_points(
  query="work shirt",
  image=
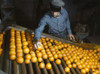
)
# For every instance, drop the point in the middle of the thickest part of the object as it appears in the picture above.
(58, 26)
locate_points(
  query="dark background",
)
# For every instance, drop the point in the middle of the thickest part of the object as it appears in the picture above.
(29, 12)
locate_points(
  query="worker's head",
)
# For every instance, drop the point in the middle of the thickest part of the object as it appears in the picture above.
(55, 7)
(55, 10)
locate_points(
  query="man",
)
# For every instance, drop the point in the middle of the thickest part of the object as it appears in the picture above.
(57, 20)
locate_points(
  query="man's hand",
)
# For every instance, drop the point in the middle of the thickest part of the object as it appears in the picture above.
(37, 44)
(71, 37)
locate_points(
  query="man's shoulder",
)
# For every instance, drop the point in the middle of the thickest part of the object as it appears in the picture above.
(64, 10)
(47, 15)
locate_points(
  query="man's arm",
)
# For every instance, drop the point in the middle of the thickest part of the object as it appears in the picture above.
(68, 26)
(65, 15)
(40, 28)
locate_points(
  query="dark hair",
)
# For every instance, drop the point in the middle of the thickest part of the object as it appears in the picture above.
(55, 8)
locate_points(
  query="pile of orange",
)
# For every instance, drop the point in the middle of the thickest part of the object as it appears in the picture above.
(12, 46)
(74, 56)
(19, 50)
(53, 50)
(31, 54)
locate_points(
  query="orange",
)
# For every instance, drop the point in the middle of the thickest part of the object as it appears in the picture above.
(26, 50)
(80, 66)
(12, 40)
(42, 38)
(41, 65)
(48, 66)
(83, 71)
(47, 39)
(45, 56)
(60, 55)
(58, 52)
(53, 52)
(3, 32)
(59, 47)
(1, 49)
(18, 39)
(69, 65)
(65, 58)
(45, 46)
(58, 61)
(32, 52)
(32, 35)
(49, 44)
(30, 45)
(17, 31)
(22, 32)
(19, 50)
(12, 29)
(87, 69)
(68, 62)
(55, 41)
(27, 61)
(51, 58)
(48, 52)
(55, 56)
(39, 54)
(20, 54)
(29, 42)
(20, 60)
(64, 55)
(28, 56)
(18, 44)
(24, 47)
(12, 57)
(34, 59)
(12, 46)
(37, 51)
(60, 42)
(51, 40)
(55, 47)
(74, 65)
(12, 52)
(1, 43)
(25, 43)
(24, 39)
(67, 69)
(71, 59)
(40, 59)
(50, 55)
(52, 49)
(33, 55)
(42, 50)
(12, 49)
(39, 47)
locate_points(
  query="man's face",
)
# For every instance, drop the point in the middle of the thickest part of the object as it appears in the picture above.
(55, 14)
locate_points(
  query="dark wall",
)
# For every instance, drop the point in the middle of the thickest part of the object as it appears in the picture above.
(25, 12)
(29, 12)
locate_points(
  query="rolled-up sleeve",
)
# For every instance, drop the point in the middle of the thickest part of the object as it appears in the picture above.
(39, 30)
(65, 15)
